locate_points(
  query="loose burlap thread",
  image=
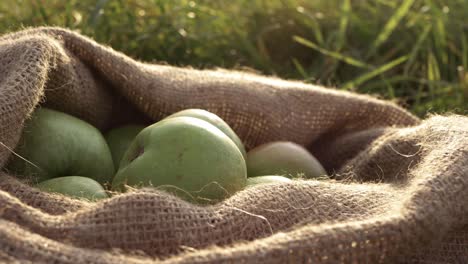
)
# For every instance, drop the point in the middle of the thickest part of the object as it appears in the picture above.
(398, 192)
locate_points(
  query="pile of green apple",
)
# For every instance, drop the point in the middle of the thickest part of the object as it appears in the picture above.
(193, 154)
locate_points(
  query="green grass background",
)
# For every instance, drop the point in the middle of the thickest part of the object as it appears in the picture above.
(414, 52)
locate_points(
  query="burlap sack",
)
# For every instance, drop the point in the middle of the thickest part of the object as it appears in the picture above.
(399, 193)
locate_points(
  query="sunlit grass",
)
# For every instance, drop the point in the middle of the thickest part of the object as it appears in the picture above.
(414, 52)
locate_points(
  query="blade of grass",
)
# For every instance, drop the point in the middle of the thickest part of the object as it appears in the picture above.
(310, 22)
(390, 90)
(252, 51)
(261, 46)
(433, 72)
(42, 11)
(161, 6)
(441, 40)
(390, 3)
(336, 55)
(379, 86)
(465, 50)
(418, 96)
(422, 37)
(317, 32)
(394, 80)
(440, 36)
(391, 25)
(367, 76)
(300, 68)
(345, 13)
(68, 13)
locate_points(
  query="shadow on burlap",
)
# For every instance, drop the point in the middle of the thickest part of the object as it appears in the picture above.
(399, 192)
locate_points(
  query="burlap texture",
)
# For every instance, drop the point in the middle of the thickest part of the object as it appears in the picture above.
(399, 192)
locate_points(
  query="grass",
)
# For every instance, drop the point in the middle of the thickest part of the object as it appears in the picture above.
(414, 52)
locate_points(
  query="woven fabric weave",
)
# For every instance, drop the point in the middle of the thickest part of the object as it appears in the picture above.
(398, 193)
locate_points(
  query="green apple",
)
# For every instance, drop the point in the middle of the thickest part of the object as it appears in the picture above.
(74, 186)
(55, 144)
(187, 156)
(216, 121)
(119, 139)
(283, 158)
(251, 181)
